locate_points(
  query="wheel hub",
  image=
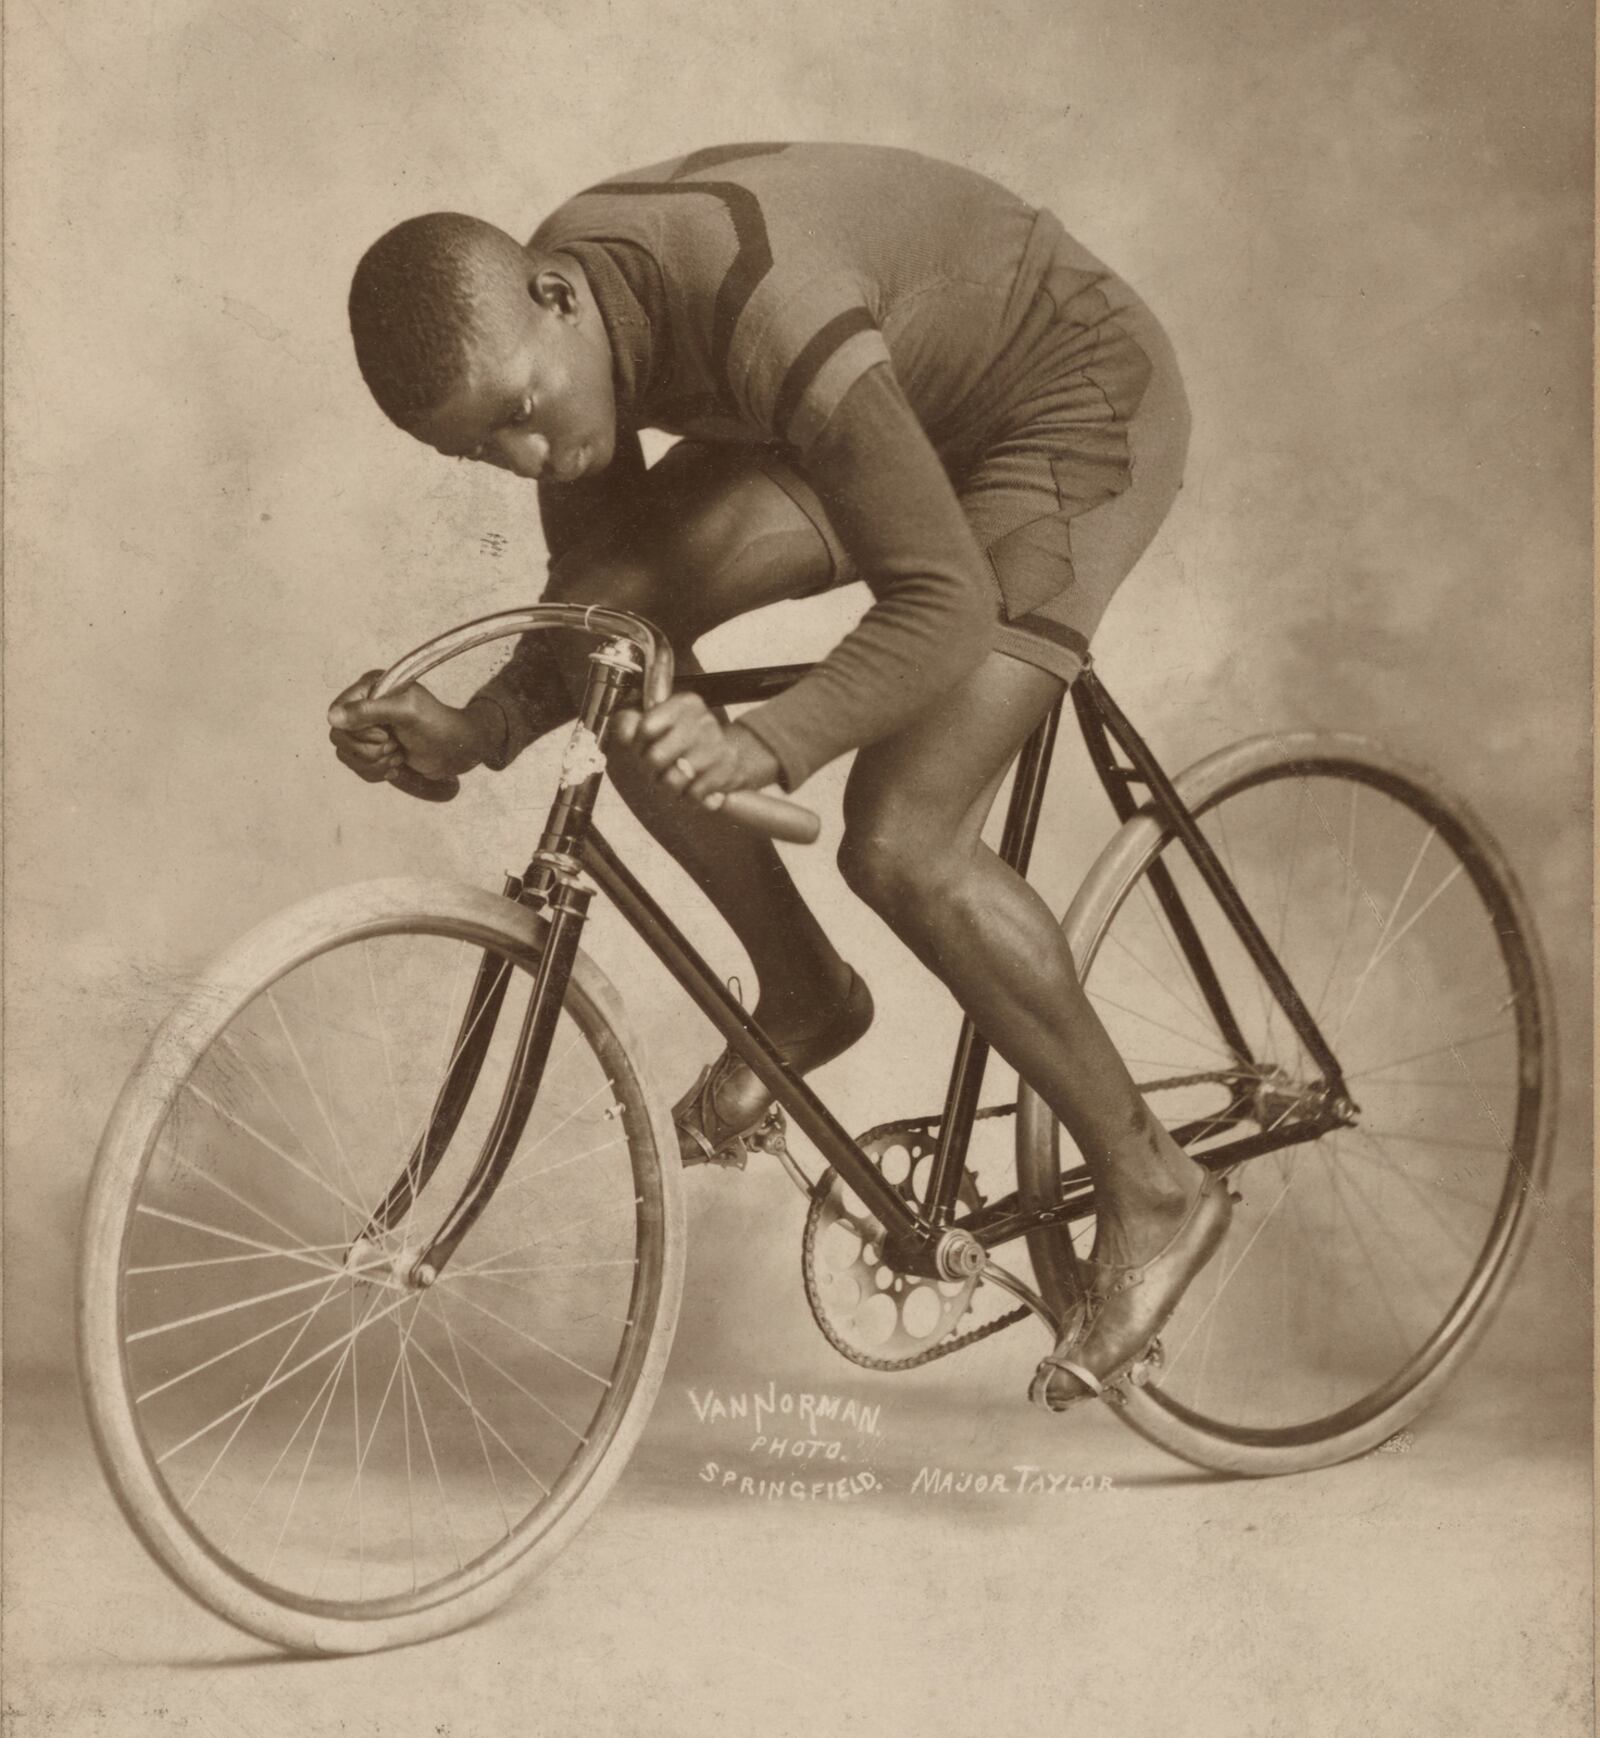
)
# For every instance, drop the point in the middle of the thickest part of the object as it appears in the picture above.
(1278, 1097)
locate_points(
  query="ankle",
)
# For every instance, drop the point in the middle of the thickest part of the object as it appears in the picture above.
(798, 1007)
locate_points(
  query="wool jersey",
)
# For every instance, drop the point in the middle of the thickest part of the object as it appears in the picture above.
(873, 313)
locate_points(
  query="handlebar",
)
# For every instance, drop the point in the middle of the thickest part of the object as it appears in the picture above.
(759, 810)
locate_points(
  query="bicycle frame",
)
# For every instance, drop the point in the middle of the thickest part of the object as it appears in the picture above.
(574, 861)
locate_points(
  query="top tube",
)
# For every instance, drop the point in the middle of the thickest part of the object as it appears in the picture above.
(737, 687)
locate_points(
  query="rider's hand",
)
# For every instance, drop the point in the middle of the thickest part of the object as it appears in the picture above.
(693, 752)
(378, 739)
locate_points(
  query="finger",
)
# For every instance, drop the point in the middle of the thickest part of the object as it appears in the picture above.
(710, 785)
(372, 772)
(679, 743)
(625, 726)
(672, 714)
(400, 708)
(352, 696)
(364, 745)
(376, 737)
(373, 754)
(358, 689)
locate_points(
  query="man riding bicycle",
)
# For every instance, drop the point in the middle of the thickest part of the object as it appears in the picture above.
(881, 368)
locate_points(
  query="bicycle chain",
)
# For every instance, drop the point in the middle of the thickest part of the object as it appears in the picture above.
(808, 1269)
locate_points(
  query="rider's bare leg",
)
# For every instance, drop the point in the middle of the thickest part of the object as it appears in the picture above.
(914, 811)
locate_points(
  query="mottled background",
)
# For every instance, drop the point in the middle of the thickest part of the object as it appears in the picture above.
(1366, 226)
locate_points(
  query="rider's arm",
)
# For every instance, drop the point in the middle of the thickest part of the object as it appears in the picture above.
(935, 599)
(527, 697)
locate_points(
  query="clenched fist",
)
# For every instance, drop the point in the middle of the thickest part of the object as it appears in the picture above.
(411, 732)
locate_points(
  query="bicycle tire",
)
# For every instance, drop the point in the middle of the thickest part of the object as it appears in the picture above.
(192, 1086)
(1239, 1408)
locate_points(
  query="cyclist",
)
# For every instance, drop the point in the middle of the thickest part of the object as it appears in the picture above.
(881, 368)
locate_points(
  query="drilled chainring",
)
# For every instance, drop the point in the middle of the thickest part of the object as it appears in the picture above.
(875, 1316)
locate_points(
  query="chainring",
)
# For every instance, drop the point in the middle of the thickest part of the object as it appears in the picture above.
(875, 1316)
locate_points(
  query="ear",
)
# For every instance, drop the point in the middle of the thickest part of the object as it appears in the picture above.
(554, 291)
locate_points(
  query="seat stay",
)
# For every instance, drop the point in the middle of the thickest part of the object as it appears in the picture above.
(1104, 721)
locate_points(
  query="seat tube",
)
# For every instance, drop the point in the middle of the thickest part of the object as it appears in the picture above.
(972, 1050)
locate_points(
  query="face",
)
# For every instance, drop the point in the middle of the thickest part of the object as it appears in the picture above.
(537, 398)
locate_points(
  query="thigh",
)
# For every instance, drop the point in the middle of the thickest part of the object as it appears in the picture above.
(934, 781)
(712, 536)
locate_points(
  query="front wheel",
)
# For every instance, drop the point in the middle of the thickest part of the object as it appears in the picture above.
(323, 1452)
(1361, 1267)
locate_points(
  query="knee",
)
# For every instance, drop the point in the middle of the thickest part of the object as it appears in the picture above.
(619, 579)
(893, 863)
(662, 578)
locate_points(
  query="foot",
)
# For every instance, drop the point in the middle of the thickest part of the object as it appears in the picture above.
(1126, 1305)
(727, 1104)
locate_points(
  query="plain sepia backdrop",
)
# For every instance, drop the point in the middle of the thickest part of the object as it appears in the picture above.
(1367, 228)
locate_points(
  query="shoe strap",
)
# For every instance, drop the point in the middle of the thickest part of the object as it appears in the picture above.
(1086, 1376)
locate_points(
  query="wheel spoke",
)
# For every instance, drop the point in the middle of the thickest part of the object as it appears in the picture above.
(1231, 1270)
(273, 1382)
(1381, 1291)
(363, 1449)
(1212, 1049)
(340, 1155)
(249, 1411)
(477, 1416)
(454, 1272)
(427, 1357)
(1383, 936)
(272, 1146)
(242, 1303)
(501, 1371)
(230, 1260)
(1451, 1047)
(1204, 1023)
(300, 1251)
(266, 1333)
(523, 1178)
(534, 1340)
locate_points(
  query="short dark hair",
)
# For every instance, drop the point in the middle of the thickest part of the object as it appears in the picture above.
(421, 295)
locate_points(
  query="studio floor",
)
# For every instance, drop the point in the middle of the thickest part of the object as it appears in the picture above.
(1441, 1586)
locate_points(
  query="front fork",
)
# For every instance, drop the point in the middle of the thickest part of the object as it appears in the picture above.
(555, 887)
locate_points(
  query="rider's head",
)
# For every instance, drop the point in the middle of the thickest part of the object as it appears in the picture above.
(484, 350)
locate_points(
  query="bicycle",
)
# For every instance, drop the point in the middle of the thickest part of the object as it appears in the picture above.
(440, 1265)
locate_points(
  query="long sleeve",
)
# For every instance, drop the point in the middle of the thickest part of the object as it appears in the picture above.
(935, 598)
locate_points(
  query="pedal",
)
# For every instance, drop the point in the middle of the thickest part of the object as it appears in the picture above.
(733, 1156)
(1147, 1367)
(770, 1135)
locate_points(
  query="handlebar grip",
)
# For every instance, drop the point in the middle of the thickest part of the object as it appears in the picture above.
(431, 790)
(775, 816)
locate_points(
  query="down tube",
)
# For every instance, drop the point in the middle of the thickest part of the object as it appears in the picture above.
(747, 1039)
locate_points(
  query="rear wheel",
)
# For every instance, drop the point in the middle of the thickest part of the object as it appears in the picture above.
(1360, 1267)
(321, 1451)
